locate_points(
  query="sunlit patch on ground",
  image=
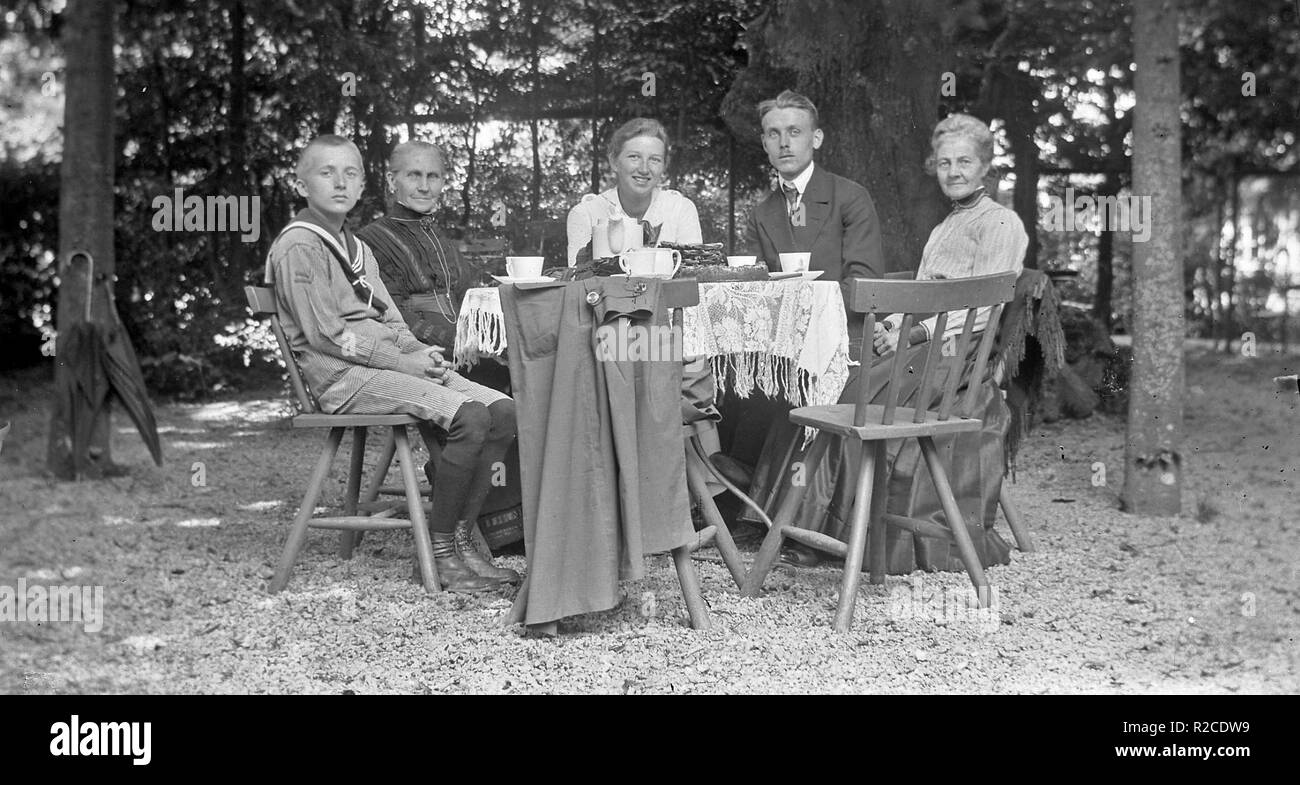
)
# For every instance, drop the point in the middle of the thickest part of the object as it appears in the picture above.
(242, 412)
(198, 445)
(260, 506)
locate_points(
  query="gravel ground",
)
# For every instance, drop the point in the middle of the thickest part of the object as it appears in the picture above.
(1111, 603)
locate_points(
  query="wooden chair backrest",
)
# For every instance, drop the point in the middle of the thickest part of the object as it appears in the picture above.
(261, 301)
(485, 246)
(912, 298)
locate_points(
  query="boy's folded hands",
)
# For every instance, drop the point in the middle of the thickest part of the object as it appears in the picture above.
(430, 364)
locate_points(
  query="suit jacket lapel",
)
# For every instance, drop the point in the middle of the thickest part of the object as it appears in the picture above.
(817, 203)
(774, 221)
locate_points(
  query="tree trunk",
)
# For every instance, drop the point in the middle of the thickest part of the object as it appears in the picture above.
(596, 103)
(471, 139)
(1024, 196)
(1101, 303)
(85, 217)
(419, 23)
(1152, 457)
(1010, 95)
(239, 259)
(1216, 297)
(534, 67)
(874, 71)
(731, 193)
(1230, 267)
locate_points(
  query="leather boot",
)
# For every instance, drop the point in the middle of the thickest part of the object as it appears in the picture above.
(453, 574)
(474, 560)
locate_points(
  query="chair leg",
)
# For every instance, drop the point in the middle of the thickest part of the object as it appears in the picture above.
(518, 610)
(690, 582)
(415, 511)
(1018, 528)
(956, 524)
(355, 467)
(726, 545)
(862, 505)
(372, 488)
(298, 533)
(878, 530)
(783, 466)
(381, 469)
(771, 547)
(722, 480)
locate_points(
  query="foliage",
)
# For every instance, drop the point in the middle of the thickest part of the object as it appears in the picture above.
(216, 97)
(212, 110)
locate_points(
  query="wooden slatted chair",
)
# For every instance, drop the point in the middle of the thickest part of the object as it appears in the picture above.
(1019, 531)
(262, 303)
(874, 424)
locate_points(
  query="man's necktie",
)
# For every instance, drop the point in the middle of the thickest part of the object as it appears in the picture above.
(791, 197)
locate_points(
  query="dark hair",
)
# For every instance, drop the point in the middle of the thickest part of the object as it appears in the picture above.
(325, 140)
(789, 99)
(637, 126)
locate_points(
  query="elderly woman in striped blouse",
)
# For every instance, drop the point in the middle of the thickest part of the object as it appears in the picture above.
(979, 236)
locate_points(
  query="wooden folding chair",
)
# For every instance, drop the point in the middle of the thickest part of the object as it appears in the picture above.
(716, 530)
(874, 424)
(262, 303)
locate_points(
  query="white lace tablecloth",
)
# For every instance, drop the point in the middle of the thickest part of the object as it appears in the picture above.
(785, 338)
(480, 327)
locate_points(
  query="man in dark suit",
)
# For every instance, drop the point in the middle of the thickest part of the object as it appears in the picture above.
(812, 209)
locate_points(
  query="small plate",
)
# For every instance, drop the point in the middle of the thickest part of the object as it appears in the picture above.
(508, 279)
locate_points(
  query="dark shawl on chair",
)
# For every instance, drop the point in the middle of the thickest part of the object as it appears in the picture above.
(1031, 350)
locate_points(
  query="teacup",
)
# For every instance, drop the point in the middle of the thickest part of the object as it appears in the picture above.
(651, 262)
(741, 261)
(525, 266)
(795, 262)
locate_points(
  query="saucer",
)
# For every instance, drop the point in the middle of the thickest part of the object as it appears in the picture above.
(508, 279)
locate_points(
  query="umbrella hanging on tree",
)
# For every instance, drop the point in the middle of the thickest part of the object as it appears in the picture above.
(103, 366)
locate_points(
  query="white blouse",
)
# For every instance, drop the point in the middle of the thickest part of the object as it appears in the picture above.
(676, 216)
